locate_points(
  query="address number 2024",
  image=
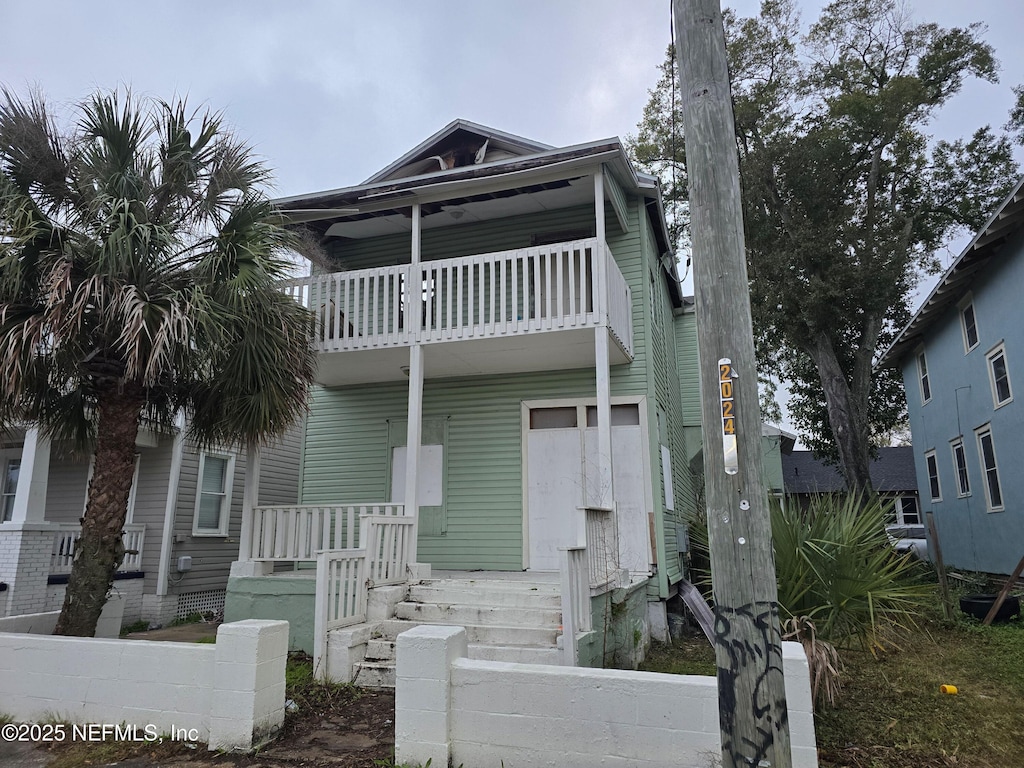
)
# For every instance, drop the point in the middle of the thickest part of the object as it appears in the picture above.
(725, 386)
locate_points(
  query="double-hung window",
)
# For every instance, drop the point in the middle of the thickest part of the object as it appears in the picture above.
(213, 494)
(969, 326)
(963, 481)
(999, 376)
(931, 462)
(987, 453)
(12, 468)
(922, 371)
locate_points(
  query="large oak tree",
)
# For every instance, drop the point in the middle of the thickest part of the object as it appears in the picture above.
(846, 196)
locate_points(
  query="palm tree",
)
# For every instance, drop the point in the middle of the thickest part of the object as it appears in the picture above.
(138, 262)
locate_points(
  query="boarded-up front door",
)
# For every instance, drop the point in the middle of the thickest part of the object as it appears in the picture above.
(559, 481)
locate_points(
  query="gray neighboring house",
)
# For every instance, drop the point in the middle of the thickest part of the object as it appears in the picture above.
(892, 473)
(961, 359)
(183, 520)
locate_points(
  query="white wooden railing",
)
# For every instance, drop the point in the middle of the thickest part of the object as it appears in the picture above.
(376, 549)
(586, 570)
(340, 598)
(602, 547)
(388, 545)
(530, 290)
(297, 533)
(66, 538)
(576, 616)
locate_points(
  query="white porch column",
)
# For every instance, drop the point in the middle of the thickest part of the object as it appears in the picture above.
(601, 257)
(604, 418)
(250, 499)
(414, 430)
(601, 363)
(26, 540)
(30, 498)
(412, 443)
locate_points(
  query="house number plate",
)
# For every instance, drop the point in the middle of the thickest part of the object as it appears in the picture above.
(725, 391)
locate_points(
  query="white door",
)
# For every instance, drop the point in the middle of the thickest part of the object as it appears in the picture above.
(630, 483)
(559, 481)
(555, 491)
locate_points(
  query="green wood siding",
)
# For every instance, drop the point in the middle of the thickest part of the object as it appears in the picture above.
(346, 448)
(449, 242)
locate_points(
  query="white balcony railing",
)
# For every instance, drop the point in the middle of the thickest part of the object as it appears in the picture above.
(531, 290)
(297, 533)
(66, 538)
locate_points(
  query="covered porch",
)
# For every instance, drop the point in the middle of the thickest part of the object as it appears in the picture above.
(37, 548)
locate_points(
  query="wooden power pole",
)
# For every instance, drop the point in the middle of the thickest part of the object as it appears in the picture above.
(748, 650)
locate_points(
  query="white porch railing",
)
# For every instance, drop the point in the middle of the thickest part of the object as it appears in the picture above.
(344, 574)
(530, 290)
(602, 547)
(388, 548)
(340, 598)
(576, 616)
(587, 570)
(297, 533)
(66, 538)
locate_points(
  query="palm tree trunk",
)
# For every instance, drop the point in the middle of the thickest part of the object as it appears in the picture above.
(99, 551)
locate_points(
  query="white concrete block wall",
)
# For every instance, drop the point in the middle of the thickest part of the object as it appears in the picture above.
(482, 712)
(231, 693)
(425, 658)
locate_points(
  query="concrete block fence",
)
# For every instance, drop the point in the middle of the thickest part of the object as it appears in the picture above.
(230, 694)
(449, 708)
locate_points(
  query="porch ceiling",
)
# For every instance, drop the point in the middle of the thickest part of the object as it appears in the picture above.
(552, 351)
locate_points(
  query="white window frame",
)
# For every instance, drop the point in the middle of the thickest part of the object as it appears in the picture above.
(899, 508)
(965, 306)
(931, 460)
(923, 380)
(225, 509)
(7, 496)
(980, 434)
(999, 350)
(961, 473)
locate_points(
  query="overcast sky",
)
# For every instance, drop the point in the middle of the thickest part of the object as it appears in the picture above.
(329, 91)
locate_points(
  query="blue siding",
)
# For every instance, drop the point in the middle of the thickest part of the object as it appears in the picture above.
(971, 536)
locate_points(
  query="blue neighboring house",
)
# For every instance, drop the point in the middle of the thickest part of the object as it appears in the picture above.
(962, 357)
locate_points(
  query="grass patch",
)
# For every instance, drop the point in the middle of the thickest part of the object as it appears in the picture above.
(690, 655)
(312, 697)
(892, 713)
(136, 626)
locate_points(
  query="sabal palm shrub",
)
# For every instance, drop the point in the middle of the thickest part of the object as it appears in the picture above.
(139, 263)
(836, 567)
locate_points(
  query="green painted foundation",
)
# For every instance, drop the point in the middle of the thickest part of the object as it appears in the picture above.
(622, 631)
(284, 598)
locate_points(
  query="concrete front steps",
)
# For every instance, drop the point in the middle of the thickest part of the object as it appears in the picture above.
(517, 621)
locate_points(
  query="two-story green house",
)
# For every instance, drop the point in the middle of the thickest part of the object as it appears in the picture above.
(501, 339)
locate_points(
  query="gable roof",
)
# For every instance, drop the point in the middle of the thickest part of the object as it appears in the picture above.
(892, 471)
(986, 245)
(458, 135)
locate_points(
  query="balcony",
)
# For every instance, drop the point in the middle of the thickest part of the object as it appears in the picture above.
(530, 309)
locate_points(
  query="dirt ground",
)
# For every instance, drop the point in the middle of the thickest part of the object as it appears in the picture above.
(354, 729)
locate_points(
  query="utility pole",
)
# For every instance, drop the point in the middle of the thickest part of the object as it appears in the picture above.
(751, 689)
